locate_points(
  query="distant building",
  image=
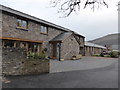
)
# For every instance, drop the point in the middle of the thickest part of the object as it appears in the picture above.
(92, 49)
(114, 47)
(20, 30)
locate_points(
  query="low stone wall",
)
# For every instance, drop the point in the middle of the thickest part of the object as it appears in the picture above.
(14, 62)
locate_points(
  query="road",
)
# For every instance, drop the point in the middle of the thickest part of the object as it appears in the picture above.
(94, 78)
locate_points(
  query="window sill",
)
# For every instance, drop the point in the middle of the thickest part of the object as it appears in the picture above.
(44, 33)
(22, 28)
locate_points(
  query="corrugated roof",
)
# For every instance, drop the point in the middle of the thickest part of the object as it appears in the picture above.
(12, 11)
(61, 37)
(94, 45)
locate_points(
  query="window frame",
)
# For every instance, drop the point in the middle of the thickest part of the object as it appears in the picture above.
(36, 49)
(21, 26)
(42, 27)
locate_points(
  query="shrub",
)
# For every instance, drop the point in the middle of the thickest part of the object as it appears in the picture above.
(102, 55)
(114, 54)
(96, 55)
(30, 55)
(33, 55)
(42, 55)
(107, 56)
(119, 53)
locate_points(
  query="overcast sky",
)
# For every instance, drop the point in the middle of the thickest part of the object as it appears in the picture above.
(90, 24)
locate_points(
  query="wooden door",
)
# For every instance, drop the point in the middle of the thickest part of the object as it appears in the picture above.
(54, 54)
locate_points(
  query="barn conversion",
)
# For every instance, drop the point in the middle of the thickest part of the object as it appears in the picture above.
(20, 30)
(92, 49)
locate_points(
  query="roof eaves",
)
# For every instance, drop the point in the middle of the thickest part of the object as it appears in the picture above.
(94, 45)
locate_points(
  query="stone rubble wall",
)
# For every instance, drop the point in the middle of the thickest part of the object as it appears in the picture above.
(14, 62)
(69, 48)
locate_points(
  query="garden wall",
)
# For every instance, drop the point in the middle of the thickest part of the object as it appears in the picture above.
(14, 62)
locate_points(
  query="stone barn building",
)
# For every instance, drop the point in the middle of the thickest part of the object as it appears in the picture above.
(20, 30)
(93, 49)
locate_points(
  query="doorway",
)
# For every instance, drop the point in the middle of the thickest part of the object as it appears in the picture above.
(54, 51)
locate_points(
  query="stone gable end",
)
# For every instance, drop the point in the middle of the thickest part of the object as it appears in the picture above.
(69, 48)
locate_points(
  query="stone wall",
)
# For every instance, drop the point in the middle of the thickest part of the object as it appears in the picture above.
(69, 48)
(14, 62)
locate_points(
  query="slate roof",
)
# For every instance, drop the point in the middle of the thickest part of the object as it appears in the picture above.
(94, 45)
(61, 37)
(15, 12)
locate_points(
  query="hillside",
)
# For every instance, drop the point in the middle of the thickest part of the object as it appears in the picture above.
(110, 40)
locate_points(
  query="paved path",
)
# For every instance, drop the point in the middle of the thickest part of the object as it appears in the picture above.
(85, 63)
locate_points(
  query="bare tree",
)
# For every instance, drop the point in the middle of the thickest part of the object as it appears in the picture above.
(69, 6)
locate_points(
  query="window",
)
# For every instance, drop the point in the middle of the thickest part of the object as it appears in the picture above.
(33, 47)
(43, 29)
(19, 23)
(22, 24)
(23, 44)
(9, 43)
(29, 46)
(17, 44)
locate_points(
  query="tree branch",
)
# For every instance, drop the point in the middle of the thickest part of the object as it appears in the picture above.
(69, 6)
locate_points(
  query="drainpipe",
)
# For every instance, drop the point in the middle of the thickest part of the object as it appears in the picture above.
(84, 50)
(59, 51)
